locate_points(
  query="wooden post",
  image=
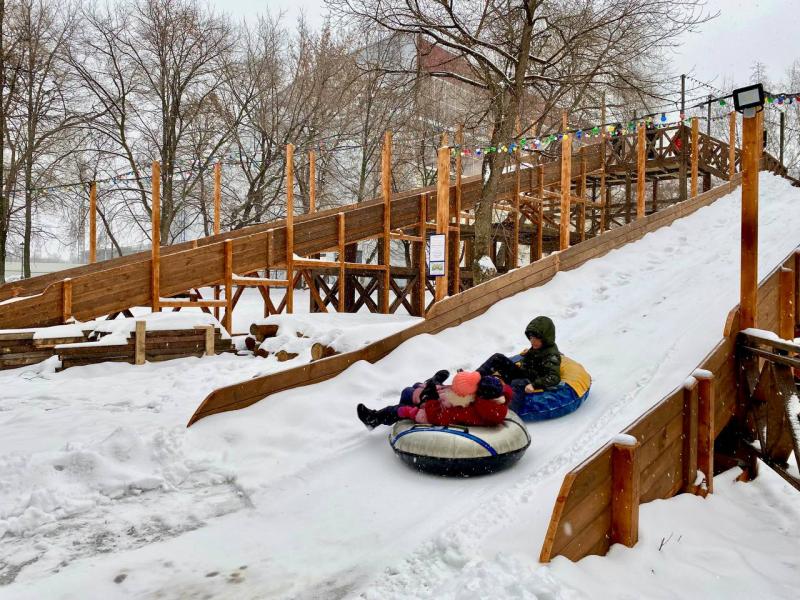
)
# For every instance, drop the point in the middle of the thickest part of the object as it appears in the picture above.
(540, 212)
(751, 143)
(731, 145)
(66, 299)
(705, 426)
(140, 340)
(566, 184)
(217, 195)
(782, 138)
(625, 494)
(690, 420)
(655, 194)
(312, 182)
(603, 194)
(342, 272)
(386, 190)
(514, 255)
(455, 260)
(267, 263)
(155, 259)
(289, 228)
(422, 274)
(797, 288)
(210, 350)
(443, 212)
(786, 285)
(228, 286)
(695, 154)
(641, 170)
(684, 143)
(582, 195)
(93, 222)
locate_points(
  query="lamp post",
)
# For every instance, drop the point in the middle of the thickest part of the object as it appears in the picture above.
(749, 101)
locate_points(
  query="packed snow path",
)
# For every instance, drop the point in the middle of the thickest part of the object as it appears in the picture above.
(104, 490)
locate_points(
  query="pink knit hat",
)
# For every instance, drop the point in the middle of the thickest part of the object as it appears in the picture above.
(465, 383)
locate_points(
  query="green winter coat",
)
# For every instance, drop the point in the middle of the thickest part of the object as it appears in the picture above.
(542, 367)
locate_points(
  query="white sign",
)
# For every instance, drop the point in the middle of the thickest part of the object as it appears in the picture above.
(436, 255)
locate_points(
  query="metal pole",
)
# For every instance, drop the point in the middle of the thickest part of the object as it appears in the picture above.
(783, 129)
(682, 167)
(708, 120)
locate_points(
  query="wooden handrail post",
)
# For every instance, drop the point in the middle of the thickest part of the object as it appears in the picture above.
(603, 194)
(155, 211)
(695, 154)
(566, 184)
(422, 273)
(641, 170)
(66, 299)
(455, 243)
(289, 228)
(705, 426)
(228, 318)
(625, 494)
(386, 191)
(514, 255)
(342, 273)
(731, 145)
(217, 196)
(443, 213)
(690, 424)
(539, 212)
(312, 182)
(140, 342)
(93, 222)
(582, 195)
(786, 287)
(751, 151)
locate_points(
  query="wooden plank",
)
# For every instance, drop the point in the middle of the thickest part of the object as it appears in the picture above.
(625, 494)
(555, 519)
(786, 300)
(664, 476)
(155, 237)
(140, 340)
(566, 183)
(592, 536)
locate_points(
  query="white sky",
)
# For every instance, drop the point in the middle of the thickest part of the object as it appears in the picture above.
(745, 31)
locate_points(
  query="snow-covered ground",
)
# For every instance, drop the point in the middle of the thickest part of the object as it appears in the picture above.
(104, 493)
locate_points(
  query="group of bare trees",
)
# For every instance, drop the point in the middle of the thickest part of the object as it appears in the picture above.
(99, 91)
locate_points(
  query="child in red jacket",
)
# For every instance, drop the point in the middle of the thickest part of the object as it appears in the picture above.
(469, 400)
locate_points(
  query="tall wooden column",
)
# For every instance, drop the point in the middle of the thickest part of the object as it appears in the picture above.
(566, 183)
(217, 196)
(641, 170)
(386, 191)
(155, 211)
(695, 154)
(289, 228)
(455, 241)
(312, 182)
(93, 222)
(443, 213)
(731, 145)
(751, 150)
(603, 194)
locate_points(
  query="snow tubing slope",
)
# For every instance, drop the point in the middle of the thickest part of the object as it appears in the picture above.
(458, 450)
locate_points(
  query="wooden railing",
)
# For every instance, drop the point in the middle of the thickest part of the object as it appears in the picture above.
(455, 309)
(672, 443)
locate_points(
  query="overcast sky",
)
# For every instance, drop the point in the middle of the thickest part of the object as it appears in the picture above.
(745, 31)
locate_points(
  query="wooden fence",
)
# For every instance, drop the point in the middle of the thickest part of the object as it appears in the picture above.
(598, 503)
(455, 309)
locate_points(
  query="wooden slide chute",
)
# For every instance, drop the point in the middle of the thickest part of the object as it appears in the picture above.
(453, 310)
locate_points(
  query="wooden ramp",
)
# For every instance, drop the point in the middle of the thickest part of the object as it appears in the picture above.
(454, 310)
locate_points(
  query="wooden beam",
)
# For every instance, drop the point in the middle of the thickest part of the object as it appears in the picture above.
(443, 213)
(641, 170)
(92, 222)
(705, 426)
(566, 182)
(603, 194)
(155, 253)
(695, 154)
(625, 494)
(312, 182)
(731, 145)
(514, 255)
(386, 191)
(751, 144)
(455, 259)
(422, 274)
(342, 273)
(290, 228)
(66, 299)
(228, 324)
(217, 196)
(786, 291)
(582, 195)
(140, 340)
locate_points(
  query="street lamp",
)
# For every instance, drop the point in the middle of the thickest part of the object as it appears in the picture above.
(749, 100)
